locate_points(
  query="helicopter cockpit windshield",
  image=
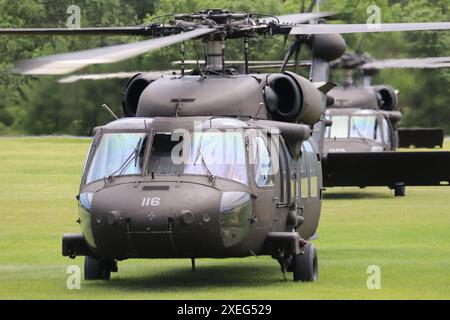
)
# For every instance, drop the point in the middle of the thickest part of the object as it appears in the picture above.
(359, 126)
(218, 154)
(117, 154)
(221, 154)
(365, 127)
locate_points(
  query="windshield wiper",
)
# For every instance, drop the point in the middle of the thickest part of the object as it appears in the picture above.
(205, 168)
(126, 164)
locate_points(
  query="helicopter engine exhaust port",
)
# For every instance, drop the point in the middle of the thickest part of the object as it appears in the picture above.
(292, 98)
(133, 92)
(387, 97)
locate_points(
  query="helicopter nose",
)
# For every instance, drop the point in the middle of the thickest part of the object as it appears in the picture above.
(156, 221)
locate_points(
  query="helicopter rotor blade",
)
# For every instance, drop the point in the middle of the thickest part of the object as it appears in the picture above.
(116, 75)
(365, 28)
(297, 18)
(424, 63)
(228, 62)
(110, 31)
(279, 65)
(69, 62)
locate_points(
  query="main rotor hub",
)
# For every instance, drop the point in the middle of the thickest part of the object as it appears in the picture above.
(218, 17)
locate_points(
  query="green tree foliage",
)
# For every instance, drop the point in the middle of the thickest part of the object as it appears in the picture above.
(40, 105)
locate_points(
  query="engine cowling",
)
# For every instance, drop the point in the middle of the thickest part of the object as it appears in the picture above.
(387, 98)
(292, 98)
(133, 92)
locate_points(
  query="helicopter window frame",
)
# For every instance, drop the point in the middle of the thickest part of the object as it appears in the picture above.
(96, 143)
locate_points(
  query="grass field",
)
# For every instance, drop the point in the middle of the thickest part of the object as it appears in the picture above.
(408, 238)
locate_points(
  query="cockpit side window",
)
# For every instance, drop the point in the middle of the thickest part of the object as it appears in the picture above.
(88, 158)
(328, 128)
(262, 163)
(304, 178)
(386, 132)
(313, 172)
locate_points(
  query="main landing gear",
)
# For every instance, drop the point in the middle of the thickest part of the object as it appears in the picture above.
(305, 266)
(400, 190)
(99, 269)
(295, 255)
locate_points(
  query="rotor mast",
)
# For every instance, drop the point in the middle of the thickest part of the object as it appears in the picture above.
(215, 60)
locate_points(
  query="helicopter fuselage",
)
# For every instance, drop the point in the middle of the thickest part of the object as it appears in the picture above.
(190, 212)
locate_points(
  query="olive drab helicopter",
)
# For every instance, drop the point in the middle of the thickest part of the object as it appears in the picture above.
(155, 184)
(360, 144)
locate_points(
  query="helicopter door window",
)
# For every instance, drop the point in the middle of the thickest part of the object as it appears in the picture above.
(386, 132)
(284, 167)
(262, 163)
(161, 155)
(339, 129)
(294, 174)
(118, 154)
(328, 128)
(304, 179)
(378, 134)
(312, 158)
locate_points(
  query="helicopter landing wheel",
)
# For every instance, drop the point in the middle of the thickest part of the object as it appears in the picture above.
(400, 190)
(305, 266)
(98, 269)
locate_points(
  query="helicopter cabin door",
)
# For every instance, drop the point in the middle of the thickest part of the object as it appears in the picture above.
(310, 190)
(285, 182)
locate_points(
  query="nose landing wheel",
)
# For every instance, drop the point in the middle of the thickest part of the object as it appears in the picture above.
(99, 269)
(305, 266)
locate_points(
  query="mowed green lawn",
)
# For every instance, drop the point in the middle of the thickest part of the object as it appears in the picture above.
(408, 238)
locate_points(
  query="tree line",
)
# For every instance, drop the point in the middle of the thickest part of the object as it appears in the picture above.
(41, 105)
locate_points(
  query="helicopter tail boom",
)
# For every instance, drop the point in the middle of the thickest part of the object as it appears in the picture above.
(386, 169)
(421, 138)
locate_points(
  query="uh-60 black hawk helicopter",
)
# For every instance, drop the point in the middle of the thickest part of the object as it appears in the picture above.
(360, 145)
(135, 201)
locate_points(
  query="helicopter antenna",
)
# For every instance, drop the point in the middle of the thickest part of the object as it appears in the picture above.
(198, 62)
(183, 58)
(246, 54)
(110, 111)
